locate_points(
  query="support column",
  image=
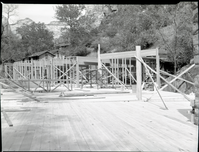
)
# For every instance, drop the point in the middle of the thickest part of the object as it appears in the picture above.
(158, 69)
(138, 74)
(99, 66)
(77, 72)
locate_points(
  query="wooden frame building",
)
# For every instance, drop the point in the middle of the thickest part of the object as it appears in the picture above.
(107, 70)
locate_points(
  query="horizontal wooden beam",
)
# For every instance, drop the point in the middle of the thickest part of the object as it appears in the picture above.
(25, 80)
(128, 54)
(166, 73)
(6, 117)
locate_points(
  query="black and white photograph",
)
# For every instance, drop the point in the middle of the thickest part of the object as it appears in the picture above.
(99, 77)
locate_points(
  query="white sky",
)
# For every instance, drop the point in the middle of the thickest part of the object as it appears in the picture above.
(36, 12)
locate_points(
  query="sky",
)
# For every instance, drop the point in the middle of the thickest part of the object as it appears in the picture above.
(37, 12)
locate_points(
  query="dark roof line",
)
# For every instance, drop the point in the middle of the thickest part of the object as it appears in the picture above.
(40, 53)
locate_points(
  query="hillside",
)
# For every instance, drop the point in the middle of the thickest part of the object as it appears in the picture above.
(53, 26)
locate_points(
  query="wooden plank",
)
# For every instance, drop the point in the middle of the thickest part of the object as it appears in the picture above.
(16, 140)
(35, 68)
(168, 83)
(31, 68)
(107, 139)
(72, 143)
(130, 71)
(14, 110)
(169, 128)
(178, 76)
(6, 118)
(134, 128)
(27, 141)
(19, 131)
(127, 54)
(97, 130)
(88, 129)
(109, 123)
(158, 69)
(25, 94)
(123, 75)
(70, 75)
(44, 139)
(154, 84)
(131, 76)
(77, 73)
(166, 73)
(99, 61)
(38, 122)
(115, 70)
(113, 75)
(117, 67)
(6, 71)
(137, 121)
(125, 65)
(6, 138)
(138, 74)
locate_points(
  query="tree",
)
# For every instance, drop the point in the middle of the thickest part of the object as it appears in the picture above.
(78, 31)
(35, 37)
(9, 10)
(7, 37)
(127, 26)
(69, 14)
(178, 45)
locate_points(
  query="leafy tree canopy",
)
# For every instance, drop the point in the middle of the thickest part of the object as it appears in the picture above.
(35, 37)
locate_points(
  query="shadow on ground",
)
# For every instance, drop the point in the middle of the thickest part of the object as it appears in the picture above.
(185, 113)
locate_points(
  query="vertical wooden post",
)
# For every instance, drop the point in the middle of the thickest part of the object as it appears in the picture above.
(70, 64)
(35, 68)
(114, 69)
(118, 68)
(51, 72)
(31, 69)
(158, 69)
(112, 79)
(123, 70)
(72, 73)
(130, 70)
(125, 74)
(99, 64)
(6, 71)
(67, 73)
(99, 60)
(77, 72)
(138, 74)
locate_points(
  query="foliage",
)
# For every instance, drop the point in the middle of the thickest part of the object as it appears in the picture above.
(9, 43)
(35, 37)
(179, 44)
(123, 28)
(79, 32)
(69, 14)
